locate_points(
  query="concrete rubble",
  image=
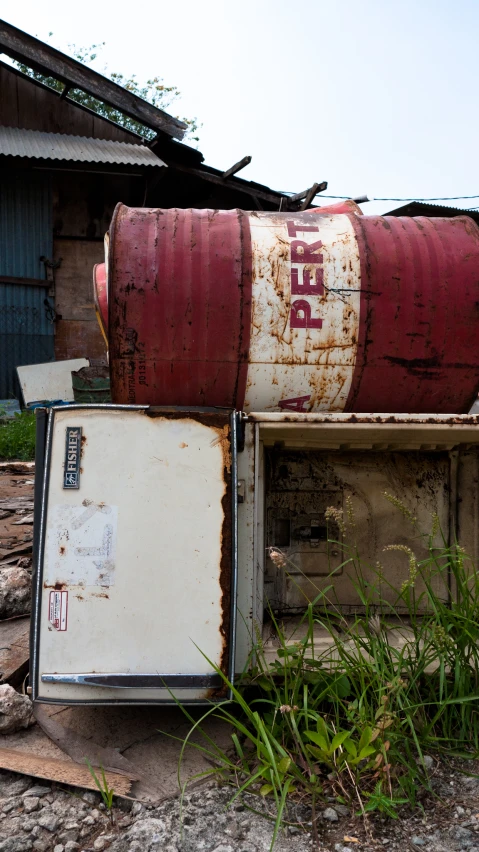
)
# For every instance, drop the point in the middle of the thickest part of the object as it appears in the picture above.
(15, 591)
(16, 710)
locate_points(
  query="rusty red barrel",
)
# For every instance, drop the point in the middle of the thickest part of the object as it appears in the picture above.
(290, 311)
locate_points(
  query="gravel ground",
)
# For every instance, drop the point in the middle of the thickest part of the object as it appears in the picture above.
(37, 816)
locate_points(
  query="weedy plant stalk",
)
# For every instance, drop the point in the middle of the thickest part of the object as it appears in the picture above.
(352, 720)
(106, 791)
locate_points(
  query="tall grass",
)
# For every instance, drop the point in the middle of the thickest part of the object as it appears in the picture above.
(351, 722)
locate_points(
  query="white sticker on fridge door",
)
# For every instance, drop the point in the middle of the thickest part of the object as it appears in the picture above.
(80, 546)
(58, 610)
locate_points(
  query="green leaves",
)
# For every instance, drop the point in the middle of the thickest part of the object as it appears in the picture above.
(342, 748)
(339, 739)
(284, 765)
(106, 791)
(379, 801)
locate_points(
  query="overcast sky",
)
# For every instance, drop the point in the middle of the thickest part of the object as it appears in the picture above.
(374, 96)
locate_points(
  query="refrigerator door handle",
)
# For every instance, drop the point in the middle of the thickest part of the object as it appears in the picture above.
(124, 680)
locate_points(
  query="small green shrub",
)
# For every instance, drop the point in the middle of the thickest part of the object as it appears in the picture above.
(17, 437)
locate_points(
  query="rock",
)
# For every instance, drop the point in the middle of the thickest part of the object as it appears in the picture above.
(91, 798)
(31, 803)
(49, 821)
(427, 761)
(41, 845)
(86, 831)
(342, 810)
(16, 844)
(7, 807)
(59, 848)
(37, 791)
(59, 804)
(71, 846)
(100, 843)
(330, 814)
(15, 592)
(16, 788)
(16, 711)
(89, 820)
(71, 834)
(136, 808)
(417, 841)
(96, 814)
(146, 835)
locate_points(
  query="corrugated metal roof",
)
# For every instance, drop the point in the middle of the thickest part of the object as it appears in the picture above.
(17, 142)
(420, 208)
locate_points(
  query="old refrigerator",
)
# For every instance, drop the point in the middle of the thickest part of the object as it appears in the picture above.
(154, 529)
(136, 555)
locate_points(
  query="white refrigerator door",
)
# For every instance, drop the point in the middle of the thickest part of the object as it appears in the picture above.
(136, 573)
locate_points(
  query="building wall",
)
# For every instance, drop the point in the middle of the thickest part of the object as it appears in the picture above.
(77, 331)
(83, 205)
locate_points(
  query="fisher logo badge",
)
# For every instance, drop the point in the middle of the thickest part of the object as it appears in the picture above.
(71, 474)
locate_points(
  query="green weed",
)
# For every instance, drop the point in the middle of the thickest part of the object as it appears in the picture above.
(106, 791)
(352, 721)
(17, 437)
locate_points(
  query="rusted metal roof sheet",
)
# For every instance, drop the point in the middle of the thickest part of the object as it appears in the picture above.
(35, 144)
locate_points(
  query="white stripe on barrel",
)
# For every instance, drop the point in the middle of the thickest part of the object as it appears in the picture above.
(305, 312)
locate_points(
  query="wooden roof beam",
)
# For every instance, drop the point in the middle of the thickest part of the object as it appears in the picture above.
(237, 167)
(307, 195)
(236, 184)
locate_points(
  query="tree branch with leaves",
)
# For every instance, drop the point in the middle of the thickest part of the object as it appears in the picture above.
(153, 91)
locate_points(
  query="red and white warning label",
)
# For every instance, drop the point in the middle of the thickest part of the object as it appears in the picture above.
(58, 610)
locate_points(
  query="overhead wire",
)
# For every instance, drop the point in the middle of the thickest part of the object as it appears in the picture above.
(439, 198)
